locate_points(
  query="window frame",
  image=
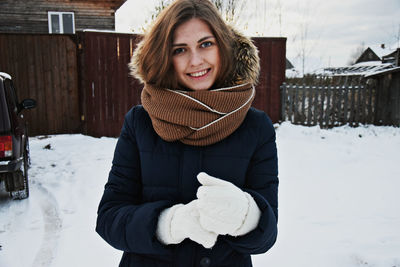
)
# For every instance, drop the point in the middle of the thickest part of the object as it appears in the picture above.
(60, 17)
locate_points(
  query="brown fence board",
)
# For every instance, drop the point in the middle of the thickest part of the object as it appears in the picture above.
(41, 69)
(272, 52)
(108, 89)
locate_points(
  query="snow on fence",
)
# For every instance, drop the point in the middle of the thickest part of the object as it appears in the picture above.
(328, 106)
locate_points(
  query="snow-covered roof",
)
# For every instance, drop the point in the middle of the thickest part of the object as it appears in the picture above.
(381, 52)
(396, 69)
(359, 69)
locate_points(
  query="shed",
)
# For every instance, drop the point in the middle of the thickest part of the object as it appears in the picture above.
(57, 16)
(388, 96)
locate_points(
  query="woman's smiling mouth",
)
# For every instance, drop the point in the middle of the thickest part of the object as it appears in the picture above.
(199, 73)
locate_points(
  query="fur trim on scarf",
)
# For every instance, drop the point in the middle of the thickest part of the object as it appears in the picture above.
(247, 62)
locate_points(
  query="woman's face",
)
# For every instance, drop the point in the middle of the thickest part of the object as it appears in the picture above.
(195, 55)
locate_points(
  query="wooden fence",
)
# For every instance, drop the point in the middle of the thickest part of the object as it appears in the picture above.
(328, 106)
(82, 84)
(108, 91)
(44, 67)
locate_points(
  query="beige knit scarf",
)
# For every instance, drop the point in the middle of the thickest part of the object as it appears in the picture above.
(197, 118)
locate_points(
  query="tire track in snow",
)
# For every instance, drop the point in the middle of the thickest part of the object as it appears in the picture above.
(52, 226)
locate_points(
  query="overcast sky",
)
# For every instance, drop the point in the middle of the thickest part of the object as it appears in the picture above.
(333, 29)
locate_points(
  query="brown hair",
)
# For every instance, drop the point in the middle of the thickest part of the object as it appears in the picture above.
(152, 59)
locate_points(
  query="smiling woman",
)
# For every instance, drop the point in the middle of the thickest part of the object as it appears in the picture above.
(194, 176)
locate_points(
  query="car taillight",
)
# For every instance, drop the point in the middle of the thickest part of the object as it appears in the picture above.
(5, 146)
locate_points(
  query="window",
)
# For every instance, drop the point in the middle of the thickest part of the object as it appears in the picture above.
(61, 22)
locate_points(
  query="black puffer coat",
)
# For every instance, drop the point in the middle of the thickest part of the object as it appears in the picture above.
(150, 174)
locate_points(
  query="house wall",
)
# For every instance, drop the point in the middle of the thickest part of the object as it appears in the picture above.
(21, 16)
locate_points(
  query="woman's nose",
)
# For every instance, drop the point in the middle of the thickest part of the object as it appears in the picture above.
(196, 58)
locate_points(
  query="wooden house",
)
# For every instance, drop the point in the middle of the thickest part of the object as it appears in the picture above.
(57, 16)
(393, 57)
(368, 55)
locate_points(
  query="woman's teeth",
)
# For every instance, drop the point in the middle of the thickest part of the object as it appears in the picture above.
(198, 74)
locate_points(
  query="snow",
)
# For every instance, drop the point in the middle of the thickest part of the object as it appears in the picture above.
(338, 201)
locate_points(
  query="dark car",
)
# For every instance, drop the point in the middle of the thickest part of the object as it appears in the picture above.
(14, 146)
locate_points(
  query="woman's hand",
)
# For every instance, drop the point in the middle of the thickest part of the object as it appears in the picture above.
(180, 222)
(225, 208)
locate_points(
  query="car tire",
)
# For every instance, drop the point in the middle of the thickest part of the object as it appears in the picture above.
(24, 193)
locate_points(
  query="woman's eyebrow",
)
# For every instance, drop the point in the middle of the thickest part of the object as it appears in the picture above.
(199, 41)
(205, 38)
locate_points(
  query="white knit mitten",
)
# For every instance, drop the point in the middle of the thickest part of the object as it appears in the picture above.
(225, 208)
(182, 221)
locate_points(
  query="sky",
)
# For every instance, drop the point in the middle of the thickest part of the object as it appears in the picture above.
(323, 33)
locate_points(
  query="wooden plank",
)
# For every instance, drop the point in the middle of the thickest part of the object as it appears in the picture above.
(58, 93)
(367, 103)
(111, 59)
(358, 105)
(42, 121)
(32, 116)
(63, 95)
(303, 104)
(346, 105)
(72, 85)
(338, 105)
(103, 75)
(310, 104)
(322, 103)
(364, 100)
(291, 90)
(328, 107)
(315, 111)
(352, 105)
(283, 102)
(334, 111)
(317, 95)
(342, 108)
(296, 105)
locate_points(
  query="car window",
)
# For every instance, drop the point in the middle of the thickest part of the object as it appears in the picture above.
(11, 96)
(5, 125)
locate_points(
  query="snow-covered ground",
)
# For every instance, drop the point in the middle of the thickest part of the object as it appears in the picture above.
(339, 201)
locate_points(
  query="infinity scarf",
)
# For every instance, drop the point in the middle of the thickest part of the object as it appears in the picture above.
(197, 118)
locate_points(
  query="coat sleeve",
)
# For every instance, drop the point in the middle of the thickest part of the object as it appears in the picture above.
(123, 220)
(262, 185)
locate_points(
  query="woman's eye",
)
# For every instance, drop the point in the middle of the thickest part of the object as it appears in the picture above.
(178, 51)
(206, 44)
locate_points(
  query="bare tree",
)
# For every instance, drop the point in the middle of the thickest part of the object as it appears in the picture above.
(306, 45)
(229, 9)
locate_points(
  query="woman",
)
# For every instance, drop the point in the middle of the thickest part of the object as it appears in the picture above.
(194, 176)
